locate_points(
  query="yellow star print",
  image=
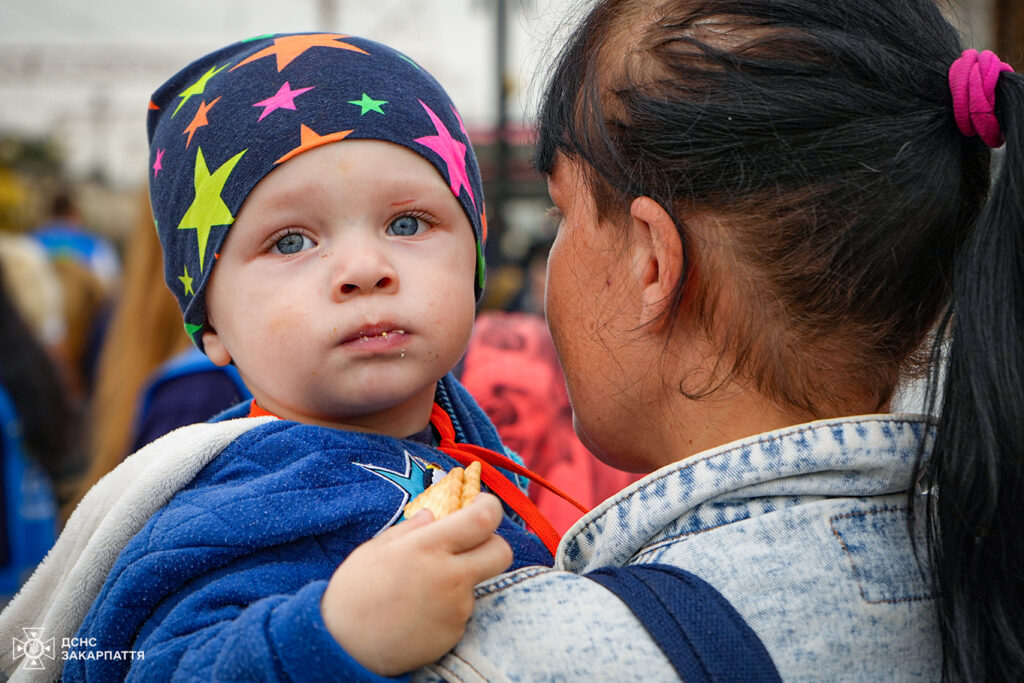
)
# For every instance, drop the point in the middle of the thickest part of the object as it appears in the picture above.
(208, 209)
(187, 282)
(197, 88)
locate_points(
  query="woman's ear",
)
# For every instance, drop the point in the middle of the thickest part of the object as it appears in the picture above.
(214, 348)
(657, 254)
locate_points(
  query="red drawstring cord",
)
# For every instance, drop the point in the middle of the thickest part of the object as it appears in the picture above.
(497, 482)
(256, 410)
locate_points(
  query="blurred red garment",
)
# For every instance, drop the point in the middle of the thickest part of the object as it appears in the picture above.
(511, 369)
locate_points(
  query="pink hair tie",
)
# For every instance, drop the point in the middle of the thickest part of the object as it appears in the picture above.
(972, 80)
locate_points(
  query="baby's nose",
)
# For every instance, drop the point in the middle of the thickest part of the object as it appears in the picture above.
(350, 287)
(364, 271)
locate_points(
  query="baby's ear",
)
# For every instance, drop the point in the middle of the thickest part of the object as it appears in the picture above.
(214, 347)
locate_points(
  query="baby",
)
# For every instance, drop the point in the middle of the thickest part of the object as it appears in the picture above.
(322, 220)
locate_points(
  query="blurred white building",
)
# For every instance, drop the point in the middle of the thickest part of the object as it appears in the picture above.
(80, 72)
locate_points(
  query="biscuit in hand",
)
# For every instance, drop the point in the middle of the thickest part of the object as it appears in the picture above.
(455, 490)
(470, 484)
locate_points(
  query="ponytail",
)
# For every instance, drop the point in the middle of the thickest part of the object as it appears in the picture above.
(974, 515)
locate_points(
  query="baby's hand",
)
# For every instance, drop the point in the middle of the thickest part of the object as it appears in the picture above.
(402, 599)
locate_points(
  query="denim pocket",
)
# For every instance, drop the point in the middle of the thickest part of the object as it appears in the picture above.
(878, 546)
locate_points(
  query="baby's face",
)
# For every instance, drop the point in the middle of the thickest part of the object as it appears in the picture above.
(344, 290)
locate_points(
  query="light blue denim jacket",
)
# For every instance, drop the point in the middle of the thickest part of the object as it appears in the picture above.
(803, 530)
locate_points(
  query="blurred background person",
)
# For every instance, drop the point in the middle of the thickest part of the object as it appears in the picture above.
(88, 266)
(35, 292)
(34, 288)
(150, 379)
(533, 273)
(84, 302)
(35, 423)
(62, 300)
(65, 237)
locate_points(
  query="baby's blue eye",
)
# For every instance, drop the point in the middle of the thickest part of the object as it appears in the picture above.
(405, 226)
(292, 243)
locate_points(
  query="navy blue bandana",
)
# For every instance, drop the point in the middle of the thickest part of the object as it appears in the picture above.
(222, 123)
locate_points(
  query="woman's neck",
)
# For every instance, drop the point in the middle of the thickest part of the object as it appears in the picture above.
(675, 427)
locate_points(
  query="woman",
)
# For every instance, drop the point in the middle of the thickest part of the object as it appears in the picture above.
(772, 210)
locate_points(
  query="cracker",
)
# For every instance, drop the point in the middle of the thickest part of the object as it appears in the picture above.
(455, 490)
(470, 483)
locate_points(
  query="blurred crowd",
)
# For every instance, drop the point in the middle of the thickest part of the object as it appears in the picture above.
(96, 364)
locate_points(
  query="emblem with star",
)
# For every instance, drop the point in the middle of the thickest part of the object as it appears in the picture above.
(418, 475)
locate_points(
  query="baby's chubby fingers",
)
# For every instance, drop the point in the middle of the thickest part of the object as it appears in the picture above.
(467, 528)
(468, 535)
(488, 559)
(414, 581)
(417, 521)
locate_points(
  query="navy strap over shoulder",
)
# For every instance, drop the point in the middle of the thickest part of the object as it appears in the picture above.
(703, 636)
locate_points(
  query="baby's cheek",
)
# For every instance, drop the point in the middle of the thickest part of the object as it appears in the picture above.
(286, 321)
(451, 298)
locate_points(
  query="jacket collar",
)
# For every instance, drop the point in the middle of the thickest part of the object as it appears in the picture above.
(856, 456)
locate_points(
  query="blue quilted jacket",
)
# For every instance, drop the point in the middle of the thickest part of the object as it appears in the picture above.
(225, 581)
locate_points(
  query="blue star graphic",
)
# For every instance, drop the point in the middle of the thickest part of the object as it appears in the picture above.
(412, 482)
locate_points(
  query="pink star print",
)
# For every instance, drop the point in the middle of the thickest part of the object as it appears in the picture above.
(284, 99)
(451, 151)
(158, 164)
(462, 126)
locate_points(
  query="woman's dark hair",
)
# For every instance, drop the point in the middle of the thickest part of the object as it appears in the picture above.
(824, 133)
(30, 376)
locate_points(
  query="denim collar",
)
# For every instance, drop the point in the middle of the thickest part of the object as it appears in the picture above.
(850, 457)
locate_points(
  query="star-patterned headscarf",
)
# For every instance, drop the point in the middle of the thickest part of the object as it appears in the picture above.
(222, 123)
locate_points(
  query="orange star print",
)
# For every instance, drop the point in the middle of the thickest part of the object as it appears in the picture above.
(288, 48)
(199, 120)
(310, 139)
